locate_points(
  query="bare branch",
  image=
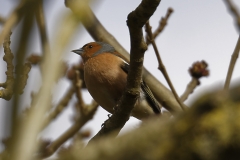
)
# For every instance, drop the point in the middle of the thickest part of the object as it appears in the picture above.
(198, 70)
(234, 11)
(190, 88)
(8, 58)
(84, 118)
(7, 26)
(2, 20)
(60, 107)
(78, 85)
(161, 66)
(15, 17)
(42, 28)
(51, 68)
(232, 64)
(24, 77)
(162, 25)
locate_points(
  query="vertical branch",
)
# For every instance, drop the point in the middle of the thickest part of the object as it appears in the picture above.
(51, 67)
(17, 151)
(78, 86)
(42, 28)
(8, 58)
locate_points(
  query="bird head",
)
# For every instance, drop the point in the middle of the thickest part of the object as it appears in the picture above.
(93, 49)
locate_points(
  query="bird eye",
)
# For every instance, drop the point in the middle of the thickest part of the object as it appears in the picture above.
(90, 46)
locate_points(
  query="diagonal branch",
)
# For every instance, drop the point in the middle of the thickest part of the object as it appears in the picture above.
(79, 123)
(2, 20)
(234, 11)
(16, 16)
(232, 64)
(162, 25)
(161, 66)
(60, 107)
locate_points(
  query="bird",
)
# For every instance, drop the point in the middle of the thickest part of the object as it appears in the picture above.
(105, 76)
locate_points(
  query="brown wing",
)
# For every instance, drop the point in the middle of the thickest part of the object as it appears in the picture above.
(149, 96)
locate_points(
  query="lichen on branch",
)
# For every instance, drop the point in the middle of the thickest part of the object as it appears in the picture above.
(7, 92)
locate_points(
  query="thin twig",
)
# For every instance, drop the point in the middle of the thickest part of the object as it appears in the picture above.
(161, 66)
(234, 11)
(16, 16)
(190, 88)
(7, 26)
(232, 64)
(2, 20)
(78, 85)
(83, 119)
(196, 71)
(60, 107)
(162, 25)
(43, 31)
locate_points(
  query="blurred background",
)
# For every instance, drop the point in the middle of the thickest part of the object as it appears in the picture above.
(197, 30)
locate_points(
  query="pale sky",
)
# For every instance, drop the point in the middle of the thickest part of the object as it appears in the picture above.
(197, 30)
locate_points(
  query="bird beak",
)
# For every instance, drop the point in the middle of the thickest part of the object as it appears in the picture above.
(78, 51)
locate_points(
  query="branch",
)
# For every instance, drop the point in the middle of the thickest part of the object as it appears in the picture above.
(16, 16)
(161, 66)
(135, 22)
(60, 107)
(78, 85)
(198, 70)
(99, 33)
(24, 77)
(234, 11)
(2, 20)
(232, 64)
(206, 131)
(51, 68)
(42, 28)
(190, 88)
(8, 58)
(79, 123)
(162, 25)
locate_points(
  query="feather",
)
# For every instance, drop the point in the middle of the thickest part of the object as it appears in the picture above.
(146, 90)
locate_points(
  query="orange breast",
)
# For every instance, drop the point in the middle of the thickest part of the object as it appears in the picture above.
(105, 79)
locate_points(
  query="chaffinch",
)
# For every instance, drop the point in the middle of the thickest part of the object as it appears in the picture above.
(105, 75)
